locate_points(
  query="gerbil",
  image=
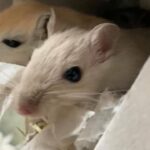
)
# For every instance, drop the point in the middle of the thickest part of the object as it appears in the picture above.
(72, 67)
(24, 27)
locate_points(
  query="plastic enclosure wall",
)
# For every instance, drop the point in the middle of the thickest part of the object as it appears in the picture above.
(130, 128)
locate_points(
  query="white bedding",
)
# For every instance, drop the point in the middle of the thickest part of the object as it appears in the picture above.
(11, 120)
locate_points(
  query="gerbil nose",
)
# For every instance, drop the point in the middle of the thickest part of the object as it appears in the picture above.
(27, 108)
(28, 104)
(24, 110)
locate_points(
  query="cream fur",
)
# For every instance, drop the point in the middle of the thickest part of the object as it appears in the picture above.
(41, 84)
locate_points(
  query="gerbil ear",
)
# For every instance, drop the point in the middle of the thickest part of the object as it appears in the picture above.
(102, 39)
(45, 25)
(52, 23)
(16, 2)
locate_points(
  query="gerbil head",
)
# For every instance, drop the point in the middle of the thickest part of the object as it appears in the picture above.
(23, 27)
(64, 70)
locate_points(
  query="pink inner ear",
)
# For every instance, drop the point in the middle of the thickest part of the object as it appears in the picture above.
(103, 37)
(101, 47)
(105, 44)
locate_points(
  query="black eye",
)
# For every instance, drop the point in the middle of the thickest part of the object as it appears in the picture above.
(12, 43)
(73, 74)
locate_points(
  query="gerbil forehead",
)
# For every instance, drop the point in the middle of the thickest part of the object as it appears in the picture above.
(17, 32)
(61, 48)
(14, 23)
(52, 59)
(12, 35)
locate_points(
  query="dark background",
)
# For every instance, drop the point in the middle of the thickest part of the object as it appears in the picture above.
(126, 13)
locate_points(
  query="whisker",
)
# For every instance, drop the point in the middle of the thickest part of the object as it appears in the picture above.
(86, 98)
(81, 97)
(65, 92)
(78, 92)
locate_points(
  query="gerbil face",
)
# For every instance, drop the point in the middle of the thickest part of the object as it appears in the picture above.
(22, 29)
(64, 71)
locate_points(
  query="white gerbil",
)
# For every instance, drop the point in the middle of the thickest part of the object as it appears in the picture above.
(72, 67)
